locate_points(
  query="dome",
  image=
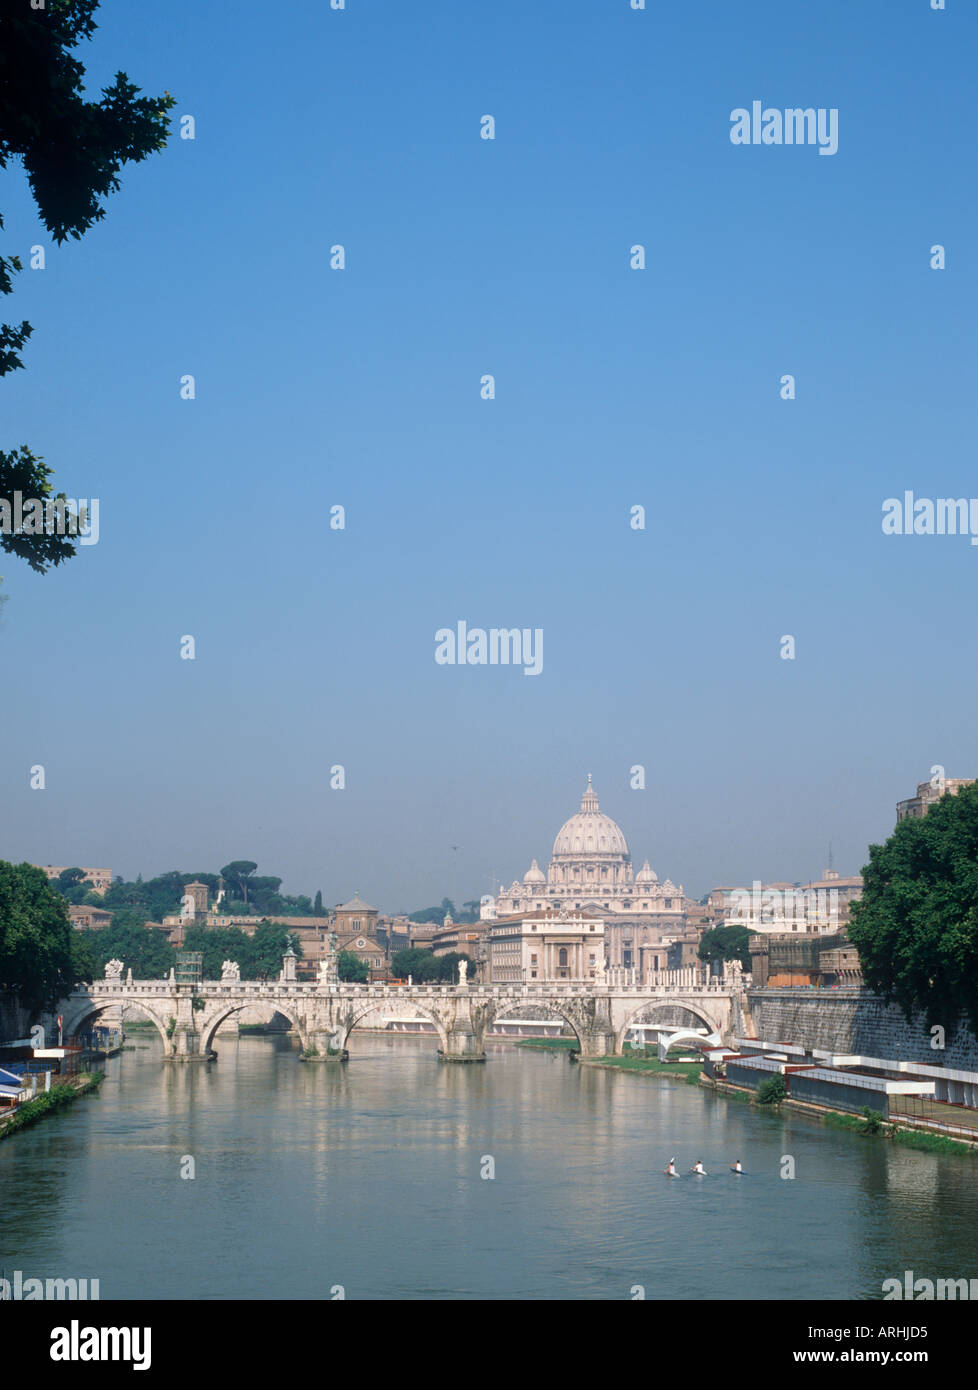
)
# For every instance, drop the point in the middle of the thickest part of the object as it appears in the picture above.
(534, 874)
(589, 832)
(646, 874)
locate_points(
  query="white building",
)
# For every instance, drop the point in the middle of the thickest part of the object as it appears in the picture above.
(820, 906)
(545, 946)
(591, 871)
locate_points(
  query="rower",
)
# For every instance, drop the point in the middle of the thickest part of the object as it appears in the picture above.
(671, 1171)
(698, 1168)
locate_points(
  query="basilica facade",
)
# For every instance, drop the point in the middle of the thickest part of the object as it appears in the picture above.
(591, 871)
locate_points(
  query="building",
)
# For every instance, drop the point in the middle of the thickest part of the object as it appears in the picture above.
(464, 937)
(99, 879)
(813, 959)
(822, 905)
(422, 934)
(355, 918)
(89, 918)
(683, 951)
(195, 899)
(840, 966)
(591, 871)
(355, 924)
(834, 896)
(928, 793)
(394, 933)
(545, 945)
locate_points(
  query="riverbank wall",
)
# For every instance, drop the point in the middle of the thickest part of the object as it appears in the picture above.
(855, 1021)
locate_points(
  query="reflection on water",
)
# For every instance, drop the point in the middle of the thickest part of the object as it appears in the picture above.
(368, 1176)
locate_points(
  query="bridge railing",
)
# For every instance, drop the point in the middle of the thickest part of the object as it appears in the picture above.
(658, 983)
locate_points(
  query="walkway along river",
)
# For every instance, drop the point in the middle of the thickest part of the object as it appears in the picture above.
(397, 1177)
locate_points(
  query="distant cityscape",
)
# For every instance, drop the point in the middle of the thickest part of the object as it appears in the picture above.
(588, 916)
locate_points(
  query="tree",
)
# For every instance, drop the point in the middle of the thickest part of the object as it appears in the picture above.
(146, 951)
(916, 926)
(435, 914)
(351, 968)
(72, 885)
(83, 965)
(236, 875)
(36, 960)
(72, 151)
(266, 949)
(215, 947)
(448, 967)
(156, 898)
(726, 943)
(317, 906)
(421, 965)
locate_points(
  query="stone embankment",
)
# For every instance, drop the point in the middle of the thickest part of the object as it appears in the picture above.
(856, 1022)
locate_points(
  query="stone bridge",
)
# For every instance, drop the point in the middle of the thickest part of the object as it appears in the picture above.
(324, 1014)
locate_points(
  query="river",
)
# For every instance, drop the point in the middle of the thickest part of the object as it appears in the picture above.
(367, 1179)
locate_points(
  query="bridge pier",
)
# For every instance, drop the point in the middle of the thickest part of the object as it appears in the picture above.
(598, 1043)
(464, 1038)
(185, 1041)
(462, 1045)
(185, 1046)
(324, 1045)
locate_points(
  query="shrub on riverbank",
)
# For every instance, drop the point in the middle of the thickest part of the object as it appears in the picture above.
(924, 1140)
(55, 1099)
(772, 1091)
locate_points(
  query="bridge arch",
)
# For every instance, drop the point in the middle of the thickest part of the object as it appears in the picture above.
(223, 1011)
(552, 1007)
(86, 1009)
(430, 1014)
(680, 1002)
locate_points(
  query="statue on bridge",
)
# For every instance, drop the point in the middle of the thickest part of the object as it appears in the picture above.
(463, 970)
(113, 970)
(328, 970)
(230, 972)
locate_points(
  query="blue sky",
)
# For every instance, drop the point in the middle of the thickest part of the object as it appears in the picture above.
(614, 387)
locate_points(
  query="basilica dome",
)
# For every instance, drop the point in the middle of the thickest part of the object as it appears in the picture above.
(590, 833)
